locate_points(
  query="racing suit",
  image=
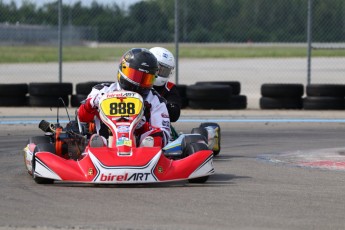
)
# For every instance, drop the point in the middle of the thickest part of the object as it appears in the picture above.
(154, 123)
(171, 94)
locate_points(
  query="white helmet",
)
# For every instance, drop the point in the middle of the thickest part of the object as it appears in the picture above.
(166, 64)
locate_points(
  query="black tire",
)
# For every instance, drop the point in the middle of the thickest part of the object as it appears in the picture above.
(205, 124)
(325, 90)
(282, 90)
(209, 92)
(39, 148)
(323, 103)
(46, 147)
(235, 85)
(281, 103)
(188, 139)
(200, 130)
(85, 88)
(13, 89)
(50, 89)
(182, 89)
(11, 101)
(190, 149)
(196, 104)
(209, 104)
(216, 150)
(237, 102)
(39, 140)
(77, 99)
(199, 180)
(232, 102)
(48, 101)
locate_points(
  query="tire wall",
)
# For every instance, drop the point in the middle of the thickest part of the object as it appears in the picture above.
(290, 96)
(208, 95)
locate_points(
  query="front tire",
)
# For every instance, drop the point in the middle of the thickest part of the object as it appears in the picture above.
(46, 147)
(193, 148)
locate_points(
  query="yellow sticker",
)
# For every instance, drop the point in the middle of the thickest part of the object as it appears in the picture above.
(128, 143)
(118, 107)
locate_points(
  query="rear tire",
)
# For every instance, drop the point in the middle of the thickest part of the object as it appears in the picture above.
(200, 130)
(39, 140)
(36, 140)
(216, 149)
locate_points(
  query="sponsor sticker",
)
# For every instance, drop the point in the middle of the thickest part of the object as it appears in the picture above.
(164, 115)
(125, 142)
(125, 177)
(160, 169)
(123, 129)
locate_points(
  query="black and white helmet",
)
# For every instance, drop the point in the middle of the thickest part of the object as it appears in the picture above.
(166, 64)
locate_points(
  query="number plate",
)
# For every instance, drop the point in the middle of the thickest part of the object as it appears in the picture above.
(121, 107)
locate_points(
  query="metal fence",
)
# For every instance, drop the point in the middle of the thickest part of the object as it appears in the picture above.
(19, 34)
(222, 24)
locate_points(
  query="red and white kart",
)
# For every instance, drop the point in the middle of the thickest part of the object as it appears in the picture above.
(69, 155)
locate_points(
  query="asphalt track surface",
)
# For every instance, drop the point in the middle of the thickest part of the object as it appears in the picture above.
(257, 184)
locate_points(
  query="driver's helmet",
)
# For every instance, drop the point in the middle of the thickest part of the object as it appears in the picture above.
(137, 71)
(166, 64)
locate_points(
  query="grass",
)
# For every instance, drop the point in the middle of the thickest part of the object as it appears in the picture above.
(109, 52)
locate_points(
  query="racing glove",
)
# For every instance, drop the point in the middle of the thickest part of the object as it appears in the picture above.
(94, 100)
(174, 111)
(88, 110)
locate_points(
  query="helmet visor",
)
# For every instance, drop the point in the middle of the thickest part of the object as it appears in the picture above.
(164, 71)
(143, 79)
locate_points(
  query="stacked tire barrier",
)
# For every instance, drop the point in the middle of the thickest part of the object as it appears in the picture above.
(182, 89)
(281, 96)
(216, 95)
(13, 94)
(49, 94)
(290, 96)
(221, 95)
(324, 97)
(82, 90)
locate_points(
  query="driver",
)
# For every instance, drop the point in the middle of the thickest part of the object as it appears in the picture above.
(167, 89)
(136, 72)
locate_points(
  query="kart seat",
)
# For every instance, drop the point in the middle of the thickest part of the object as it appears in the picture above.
(97, 141)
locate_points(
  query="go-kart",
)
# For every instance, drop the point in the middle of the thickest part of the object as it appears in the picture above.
(74, 154)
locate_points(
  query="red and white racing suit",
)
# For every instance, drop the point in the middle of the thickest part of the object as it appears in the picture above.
(155, 122)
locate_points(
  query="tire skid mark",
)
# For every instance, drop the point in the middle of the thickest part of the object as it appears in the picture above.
(328, 159)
